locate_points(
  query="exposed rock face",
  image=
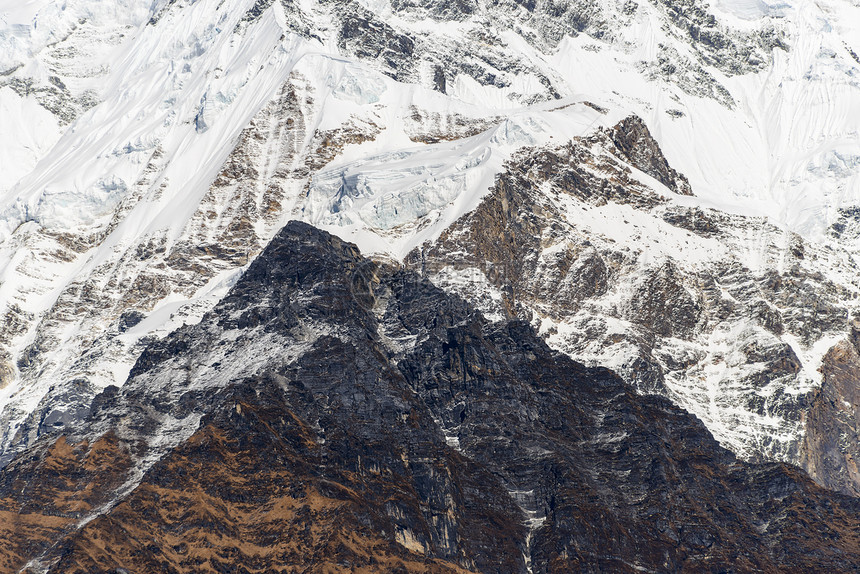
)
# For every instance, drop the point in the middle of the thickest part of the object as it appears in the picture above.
(634, 141)
(340, 415)
(831, 447)
(663, 306)
(364, 35)
(614, 272)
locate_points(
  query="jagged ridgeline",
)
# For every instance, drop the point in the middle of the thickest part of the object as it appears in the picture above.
(333, 414)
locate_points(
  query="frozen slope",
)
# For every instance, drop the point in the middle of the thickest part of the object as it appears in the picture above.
(150, 150)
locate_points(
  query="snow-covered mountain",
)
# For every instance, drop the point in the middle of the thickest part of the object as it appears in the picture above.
(706, 250)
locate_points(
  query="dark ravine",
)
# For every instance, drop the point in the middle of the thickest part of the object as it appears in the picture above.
(399, 431)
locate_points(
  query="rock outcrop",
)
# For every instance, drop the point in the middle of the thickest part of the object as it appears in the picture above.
(831, 445)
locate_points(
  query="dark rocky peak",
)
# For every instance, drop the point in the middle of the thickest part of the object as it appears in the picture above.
(303, 279)
(335, 414)
(636, 145)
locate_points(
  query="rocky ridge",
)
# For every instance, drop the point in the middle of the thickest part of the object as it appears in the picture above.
(335, 414)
